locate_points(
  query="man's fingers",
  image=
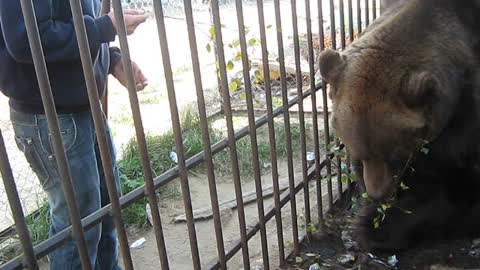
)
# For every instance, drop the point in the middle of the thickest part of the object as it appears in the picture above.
(133, 12)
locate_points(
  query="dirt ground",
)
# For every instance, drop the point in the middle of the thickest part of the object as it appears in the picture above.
(328, 249)
(176, 235)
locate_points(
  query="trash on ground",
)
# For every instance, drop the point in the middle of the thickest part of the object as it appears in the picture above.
(392, 260)
(139, 243)
(314, 267)
(346, 259)
(174, 157)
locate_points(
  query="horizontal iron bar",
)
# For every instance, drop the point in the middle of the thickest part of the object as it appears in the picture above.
(58, 239)
(270, 214)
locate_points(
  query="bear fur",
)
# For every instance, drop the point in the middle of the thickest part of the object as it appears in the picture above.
(406, 104)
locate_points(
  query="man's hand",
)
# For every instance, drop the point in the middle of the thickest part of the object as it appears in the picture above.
(132, 18)
(140, 79)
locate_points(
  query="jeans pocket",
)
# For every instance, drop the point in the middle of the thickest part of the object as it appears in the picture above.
(68, 131)
(29, 148)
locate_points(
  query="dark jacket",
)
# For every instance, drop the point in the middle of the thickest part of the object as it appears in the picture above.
(17, 74)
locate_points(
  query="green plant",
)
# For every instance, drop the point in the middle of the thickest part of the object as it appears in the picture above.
(38, 223)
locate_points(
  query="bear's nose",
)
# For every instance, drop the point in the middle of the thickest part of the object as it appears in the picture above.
(378, 178)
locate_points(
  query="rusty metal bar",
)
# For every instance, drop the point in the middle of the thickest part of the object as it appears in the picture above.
(230, 130)
(16, 207)
(100, 130)
(321, 35)
(313, 98)
(51, 115)
(333, 28)
(350, 21)
(321, 31)
(177, 131)
(348, 163)
(251, 118)
(205, 134)
(106, 7)
(326, 130)
(339, 172)
(288, 136)
(140, 135)
(88, 222)
(333, 32)
(359, 17)
(271, 131)
(342, 24)
(367, 13)
(301, 116)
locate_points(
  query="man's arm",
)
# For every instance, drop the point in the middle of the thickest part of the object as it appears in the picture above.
(58, 37)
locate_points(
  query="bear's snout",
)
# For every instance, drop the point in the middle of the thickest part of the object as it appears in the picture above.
(378, 179)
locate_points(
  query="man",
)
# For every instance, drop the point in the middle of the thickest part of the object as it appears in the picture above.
(18, 82)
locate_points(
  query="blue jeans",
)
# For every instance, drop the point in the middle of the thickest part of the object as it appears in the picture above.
(78, 133)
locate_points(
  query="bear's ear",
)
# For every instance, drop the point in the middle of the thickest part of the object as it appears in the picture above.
(420, 86)
(331, 64)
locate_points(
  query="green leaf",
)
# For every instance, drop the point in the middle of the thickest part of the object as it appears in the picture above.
(269, 26)
(233, 86)
(279, 30)
(238, 55)
(209, 47)
(230, 65)
(253, 41)
(404, 187)
(386, 206)
(212, 32)
(365, 196)
(235, 43)
(243, 95)
(344, 179)
(298, 259)
(425, 150)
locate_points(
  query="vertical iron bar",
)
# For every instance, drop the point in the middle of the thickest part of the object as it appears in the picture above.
(142, 144)
(349, 171)
(301, 116)
(367, 13)
(374, 7)
(333, 30)
(16, 207)
(313, 98)
(106, 7)
(322, 47)
(327, 143)
(100, 129)
(339, 172)
(205, 134)
(51, 115)
(271, 130)
(350, 21)
(342, 24)
(321, 31)
(251, 120)
(288, 135)
(359, 17)
(177, 130)
(231, 132)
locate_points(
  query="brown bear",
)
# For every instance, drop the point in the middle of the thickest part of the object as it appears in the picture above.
(406, 104)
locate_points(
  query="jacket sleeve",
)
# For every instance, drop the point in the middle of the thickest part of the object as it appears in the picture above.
(115, 58)
(57, 35)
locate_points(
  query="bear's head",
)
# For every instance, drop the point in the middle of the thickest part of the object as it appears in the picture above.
(393, 90)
